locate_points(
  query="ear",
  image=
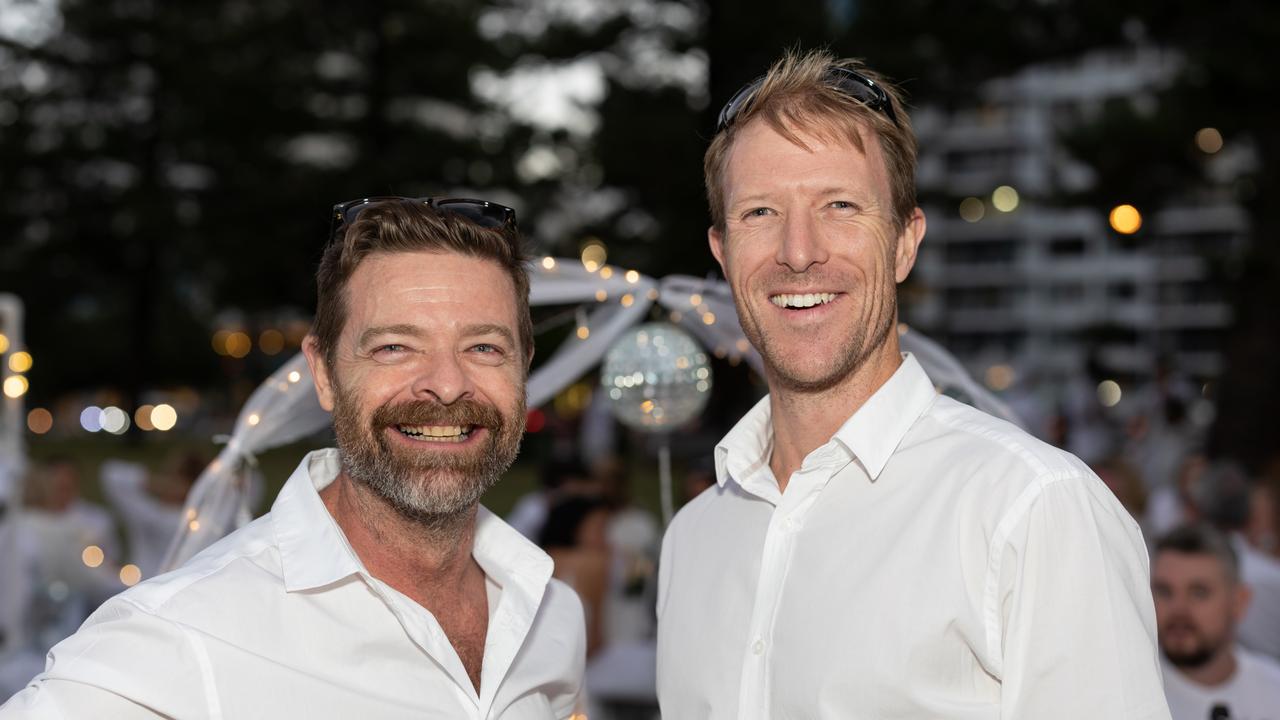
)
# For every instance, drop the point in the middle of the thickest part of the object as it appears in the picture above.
(1240, 603)
(319, 372)
(908, 245)
(716, 240)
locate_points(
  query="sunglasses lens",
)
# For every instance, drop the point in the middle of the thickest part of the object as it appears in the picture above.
(480, 213)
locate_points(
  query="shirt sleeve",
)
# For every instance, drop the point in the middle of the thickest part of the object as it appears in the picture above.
(123, 663)
(1076, 622)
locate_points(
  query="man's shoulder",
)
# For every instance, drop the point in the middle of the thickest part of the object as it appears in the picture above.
(975, 439)
(242, 563)
(1263, 669)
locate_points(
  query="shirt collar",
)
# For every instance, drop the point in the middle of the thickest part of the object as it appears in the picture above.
(871, 434)
(313, 550)
(875, 431)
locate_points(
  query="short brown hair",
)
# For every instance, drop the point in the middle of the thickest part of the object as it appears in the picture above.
(1201, 539)
(391, 227)
(796, 95)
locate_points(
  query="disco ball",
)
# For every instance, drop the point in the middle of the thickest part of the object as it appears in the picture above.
(656, 378)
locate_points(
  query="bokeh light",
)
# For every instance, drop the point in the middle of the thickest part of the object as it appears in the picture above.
(114, 420)
(632, 277)
(583, 332)
(164, 417)
(1004, 199)
(1209, 140)
(238, 344)
(271, 342)
(1000, 377)
(39, 421)
(92, 556)
(1125, 219)
(627, 300)
(1109, 393)
(219, 341)
(972, 209)
(20, 362)
(130, 575)
(294, 376)
(91, 418)
(142, 418)
(594, 255)
(549, 262)
(4, 343)
(15, 386)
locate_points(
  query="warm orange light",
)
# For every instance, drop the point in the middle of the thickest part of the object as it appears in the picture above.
(39, 421)
(1125, 219)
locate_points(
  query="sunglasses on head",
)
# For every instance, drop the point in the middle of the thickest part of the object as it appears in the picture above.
(850, 82)
(481, 212)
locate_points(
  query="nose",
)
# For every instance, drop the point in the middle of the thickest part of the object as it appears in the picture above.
(442, 377)
(802, 244)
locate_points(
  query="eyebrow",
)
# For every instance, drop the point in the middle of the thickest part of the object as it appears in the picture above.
(490, 329)
(414, 331)
(399, 329)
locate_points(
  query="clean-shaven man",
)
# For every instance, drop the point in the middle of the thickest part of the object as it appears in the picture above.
(872, 549)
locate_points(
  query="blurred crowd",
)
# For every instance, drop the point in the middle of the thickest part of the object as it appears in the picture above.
(68, 550)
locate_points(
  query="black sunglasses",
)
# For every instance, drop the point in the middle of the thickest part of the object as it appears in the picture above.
(850, 82)
(481, 212)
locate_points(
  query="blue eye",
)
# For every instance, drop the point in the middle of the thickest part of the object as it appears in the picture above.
(758, 212)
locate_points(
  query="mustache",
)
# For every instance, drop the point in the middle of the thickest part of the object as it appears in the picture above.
(427, 412)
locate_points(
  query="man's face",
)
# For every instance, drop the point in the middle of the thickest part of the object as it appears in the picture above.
(427, 385)
(1197, 607)
(811, 253)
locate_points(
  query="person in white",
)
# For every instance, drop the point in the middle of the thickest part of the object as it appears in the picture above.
(377, 586)
(873, 549)
(1200, 601)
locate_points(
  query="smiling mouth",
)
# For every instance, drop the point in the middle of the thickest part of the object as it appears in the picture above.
(801, 301)
(437, 433)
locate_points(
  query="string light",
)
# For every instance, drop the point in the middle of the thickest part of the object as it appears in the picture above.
(20, 362)
(15, 386)
(92, 556)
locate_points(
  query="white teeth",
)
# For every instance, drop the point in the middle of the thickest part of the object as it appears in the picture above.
(436, 433)
(802, 301)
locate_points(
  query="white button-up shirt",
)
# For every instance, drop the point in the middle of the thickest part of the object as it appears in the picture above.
(929, 561)
(282, 620)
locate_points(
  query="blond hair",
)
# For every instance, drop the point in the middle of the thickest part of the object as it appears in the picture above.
(797, 95)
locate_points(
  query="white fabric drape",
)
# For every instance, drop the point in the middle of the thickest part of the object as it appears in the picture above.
(285, 407)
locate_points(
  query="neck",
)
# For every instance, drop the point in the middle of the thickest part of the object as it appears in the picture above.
(418, 559)
(1220, 668)
(804, 420)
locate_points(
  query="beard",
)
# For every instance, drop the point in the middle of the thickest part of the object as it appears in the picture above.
(431, 488)
(1188, 655)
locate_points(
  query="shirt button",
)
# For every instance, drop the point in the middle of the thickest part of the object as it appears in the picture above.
(789, 524)
(757, 648)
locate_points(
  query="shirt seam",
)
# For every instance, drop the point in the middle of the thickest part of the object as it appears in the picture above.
(1012, 517)
(207, 681)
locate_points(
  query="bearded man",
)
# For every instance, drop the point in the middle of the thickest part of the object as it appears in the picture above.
(377, 586)
(1200, 601)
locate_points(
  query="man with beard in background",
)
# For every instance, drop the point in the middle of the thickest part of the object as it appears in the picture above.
(1200, 601)
(376, 586)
